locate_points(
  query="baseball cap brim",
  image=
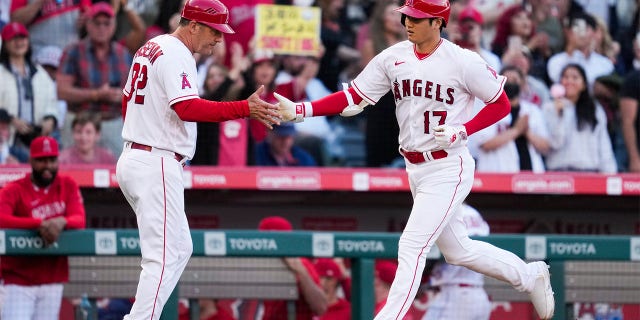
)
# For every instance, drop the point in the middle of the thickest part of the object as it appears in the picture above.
(224, 28)
(413, 12)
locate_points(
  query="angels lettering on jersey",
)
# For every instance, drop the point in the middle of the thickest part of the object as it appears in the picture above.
(426, 88)
(48, 210)
(419, 88)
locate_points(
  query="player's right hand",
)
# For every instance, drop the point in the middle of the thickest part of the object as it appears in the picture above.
(447, 136)
(288, 110)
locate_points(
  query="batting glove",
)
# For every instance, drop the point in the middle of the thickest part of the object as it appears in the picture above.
(290, 111)
(450, 136)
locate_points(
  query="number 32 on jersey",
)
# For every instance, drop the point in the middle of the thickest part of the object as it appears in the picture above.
(138, 82)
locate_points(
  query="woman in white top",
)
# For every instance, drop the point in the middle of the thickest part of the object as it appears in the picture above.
(578, 127)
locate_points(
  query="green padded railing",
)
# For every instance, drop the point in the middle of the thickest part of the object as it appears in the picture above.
(362, 247)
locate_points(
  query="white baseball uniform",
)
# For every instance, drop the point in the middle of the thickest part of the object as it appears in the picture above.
(163, 73)
(437, 89)
(461, 295)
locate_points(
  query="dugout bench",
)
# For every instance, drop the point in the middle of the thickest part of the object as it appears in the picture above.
(218, 278)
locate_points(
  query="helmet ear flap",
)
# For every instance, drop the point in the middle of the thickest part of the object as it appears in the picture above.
(403, 18)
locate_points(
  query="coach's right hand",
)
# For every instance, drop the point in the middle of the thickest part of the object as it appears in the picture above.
(263, 111)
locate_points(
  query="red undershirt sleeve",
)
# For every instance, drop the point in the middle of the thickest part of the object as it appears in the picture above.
(489, 115)
(75, 216)
(334, 103)
(201, 110)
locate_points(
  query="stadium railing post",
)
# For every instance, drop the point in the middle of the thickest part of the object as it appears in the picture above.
(362, 297)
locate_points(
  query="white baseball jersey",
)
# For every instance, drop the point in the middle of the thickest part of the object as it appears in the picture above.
(163, 72)
(439, 89)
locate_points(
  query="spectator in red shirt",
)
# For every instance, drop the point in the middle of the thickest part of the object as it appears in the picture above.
(312, 300)
(330, 280)
(48, 203)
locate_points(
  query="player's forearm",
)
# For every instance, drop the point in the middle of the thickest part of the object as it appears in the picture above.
(332, 104)
(76, 220)
(313, 294)
(201, 110)
(630, 141)
(489, 115)
(135, 38)
(541, 144)
(73, 94)
(27, 13)
(13, 222)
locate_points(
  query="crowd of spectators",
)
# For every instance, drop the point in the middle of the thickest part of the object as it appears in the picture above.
(63, 61)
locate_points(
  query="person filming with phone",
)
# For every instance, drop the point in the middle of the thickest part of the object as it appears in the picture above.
(580, 50)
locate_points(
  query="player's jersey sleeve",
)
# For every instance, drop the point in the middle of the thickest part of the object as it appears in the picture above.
(178, 77)
(481, 79)
(373, 82)
(75, 214)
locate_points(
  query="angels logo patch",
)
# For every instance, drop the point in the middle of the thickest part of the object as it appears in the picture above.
(185, 81)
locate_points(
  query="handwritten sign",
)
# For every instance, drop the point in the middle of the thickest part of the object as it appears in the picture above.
(288, 29)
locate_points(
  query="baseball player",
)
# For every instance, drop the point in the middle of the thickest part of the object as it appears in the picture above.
(49, 203)
(160, 108)
(461, 295)
(434, 83)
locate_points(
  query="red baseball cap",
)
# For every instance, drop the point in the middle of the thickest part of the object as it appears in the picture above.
(44, 146)
(100, 8)
(326, 267)
(275, 223)
(386, 270)
(470, 13)
(14, 29)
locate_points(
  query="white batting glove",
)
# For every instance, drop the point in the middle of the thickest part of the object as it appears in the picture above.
(450, 136)
(290, 111)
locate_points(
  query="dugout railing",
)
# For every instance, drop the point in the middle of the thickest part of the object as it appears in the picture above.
(564, 254)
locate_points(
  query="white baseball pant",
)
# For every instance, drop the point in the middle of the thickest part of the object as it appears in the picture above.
(439, 187)
(40, 302)
(152, 184)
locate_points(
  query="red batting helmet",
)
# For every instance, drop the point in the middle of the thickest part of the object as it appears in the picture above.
(421, 9)
(212, 13)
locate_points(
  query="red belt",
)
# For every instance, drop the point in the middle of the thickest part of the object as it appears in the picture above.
(419, 157)
(144, 147)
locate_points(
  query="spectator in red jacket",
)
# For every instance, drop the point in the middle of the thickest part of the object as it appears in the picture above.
(48, 203)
